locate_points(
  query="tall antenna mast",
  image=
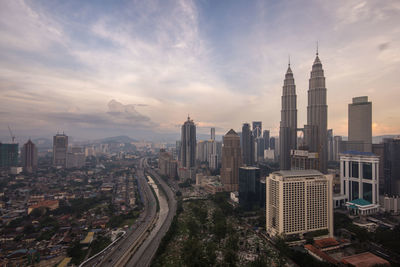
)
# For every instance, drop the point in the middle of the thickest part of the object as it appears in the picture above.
(11, 134)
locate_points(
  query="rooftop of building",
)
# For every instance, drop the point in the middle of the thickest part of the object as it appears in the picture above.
(321, 254)
(358, 153)
(249, 168)
(231, 132)
(365, 259)
(360, 202)
(360, 100)
(326, 242)
(298, 173)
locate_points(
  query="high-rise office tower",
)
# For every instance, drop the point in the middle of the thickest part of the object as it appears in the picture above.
(231, 161)
(392, 166)
(360, 125)
(317, 115)
(298, 202)
(8, 155)
(247, 145)
(337, 142)
(76, 158)
(272, 142)
(330, 145)
(212, 156)
(379, 150)
(202, 151)
(288, 125)
(29, 157)
(257, 129)
(188, 144)
(249, 187)
(60, 150)
(178, 146)
(259, 148)
(359, 177)
(266, 139)
(212, 133)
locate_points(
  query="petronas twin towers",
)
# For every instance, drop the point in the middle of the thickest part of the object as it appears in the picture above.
(315, 132)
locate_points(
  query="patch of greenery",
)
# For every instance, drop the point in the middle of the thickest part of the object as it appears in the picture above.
(122, 219)
(100, 243)
(76, 252)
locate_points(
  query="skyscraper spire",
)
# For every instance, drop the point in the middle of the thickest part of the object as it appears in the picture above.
(288, 125)
(317, 49)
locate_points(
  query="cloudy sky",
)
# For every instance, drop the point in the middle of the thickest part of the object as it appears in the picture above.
(138, 68)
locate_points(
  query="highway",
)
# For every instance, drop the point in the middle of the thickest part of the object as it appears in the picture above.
(118, 254)
(139, 246)
(146, 253)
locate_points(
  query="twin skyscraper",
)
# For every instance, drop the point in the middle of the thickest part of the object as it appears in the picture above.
(315, 132)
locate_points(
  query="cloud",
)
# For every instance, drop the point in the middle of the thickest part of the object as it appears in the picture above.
(60, 62)
(383, 46)
(118, 115)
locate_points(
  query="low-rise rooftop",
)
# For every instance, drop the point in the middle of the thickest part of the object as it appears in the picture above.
(298, 173)
(366, 259)
(358, 153)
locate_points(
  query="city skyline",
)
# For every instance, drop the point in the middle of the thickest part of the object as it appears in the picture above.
(138, 68)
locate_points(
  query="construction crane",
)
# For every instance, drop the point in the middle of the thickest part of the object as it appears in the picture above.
(11, 134)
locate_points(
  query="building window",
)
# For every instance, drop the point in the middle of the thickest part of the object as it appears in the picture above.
(344, 187)
(344, 168)
(367, 192)
(367, 170)
(354, 191)
(354, 169)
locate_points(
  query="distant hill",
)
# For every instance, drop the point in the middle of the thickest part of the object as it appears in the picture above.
(43, 142)
(117, 139)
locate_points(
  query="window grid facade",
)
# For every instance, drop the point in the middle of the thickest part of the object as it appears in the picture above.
(359, 173)
(300, 202)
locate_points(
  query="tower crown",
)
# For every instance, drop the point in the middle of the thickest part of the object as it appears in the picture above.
(289, 70)
(317, 60)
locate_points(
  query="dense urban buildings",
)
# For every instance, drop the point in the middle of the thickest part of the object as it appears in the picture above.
(266, 139)
(272, 143)
(315, 132)
(60, 150)
(206, 151)
(298, 202)
(288, 124)
(75, 157)
(304, 160)
(257, 129)
(231, 161)
(138, 182)
(29, 156)
(166, 164)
